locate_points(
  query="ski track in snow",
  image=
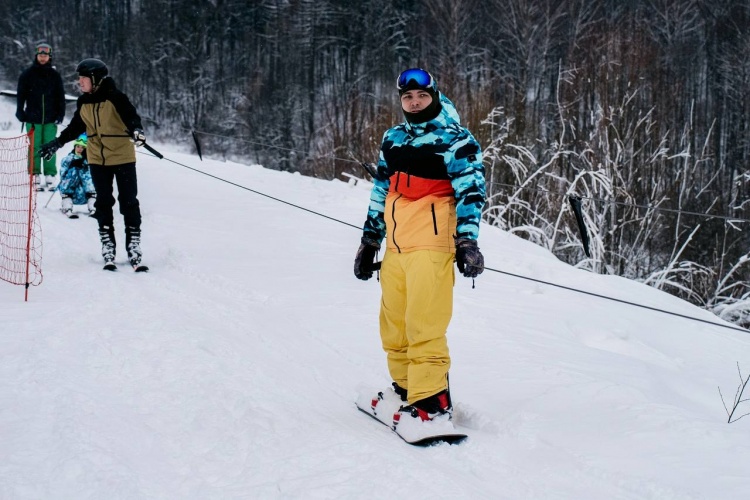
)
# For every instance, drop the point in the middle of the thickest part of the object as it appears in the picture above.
(231, 369)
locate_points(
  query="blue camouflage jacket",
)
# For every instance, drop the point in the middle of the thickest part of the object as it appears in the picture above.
(430, 185)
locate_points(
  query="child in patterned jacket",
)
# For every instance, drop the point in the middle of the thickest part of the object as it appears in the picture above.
(76, 186)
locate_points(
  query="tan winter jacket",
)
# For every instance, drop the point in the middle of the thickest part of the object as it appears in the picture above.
(108, 118)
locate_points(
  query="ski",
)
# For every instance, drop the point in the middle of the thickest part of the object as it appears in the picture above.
(70, 215)
(111, 266)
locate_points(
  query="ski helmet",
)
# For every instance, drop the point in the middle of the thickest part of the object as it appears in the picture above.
(81, 141)
(95, 69)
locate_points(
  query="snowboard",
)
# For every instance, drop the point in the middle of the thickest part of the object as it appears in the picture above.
(385, 404)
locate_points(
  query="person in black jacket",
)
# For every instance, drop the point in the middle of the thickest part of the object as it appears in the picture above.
(112, 126)
(41, 105)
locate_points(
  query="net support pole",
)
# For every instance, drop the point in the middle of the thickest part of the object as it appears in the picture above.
(31, 208)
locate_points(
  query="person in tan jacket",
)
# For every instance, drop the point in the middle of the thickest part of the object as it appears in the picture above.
(112, 126)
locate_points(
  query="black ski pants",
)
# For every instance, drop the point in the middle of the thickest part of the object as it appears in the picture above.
(127, 194)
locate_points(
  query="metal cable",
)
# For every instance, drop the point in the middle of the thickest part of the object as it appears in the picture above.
(487, 268)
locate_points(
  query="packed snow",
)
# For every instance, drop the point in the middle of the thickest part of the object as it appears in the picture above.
(231, 369)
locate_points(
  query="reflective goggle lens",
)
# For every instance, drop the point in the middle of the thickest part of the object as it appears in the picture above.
(42, 52)
(420, 77)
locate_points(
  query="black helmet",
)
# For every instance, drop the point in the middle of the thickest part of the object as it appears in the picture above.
(94, 69)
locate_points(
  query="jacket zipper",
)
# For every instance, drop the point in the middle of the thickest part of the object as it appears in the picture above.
(434, 218)
(98, 123)
(393, 215)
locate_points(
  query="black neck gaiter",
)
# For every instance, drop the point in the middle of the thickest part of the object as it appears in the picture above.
(427, 114)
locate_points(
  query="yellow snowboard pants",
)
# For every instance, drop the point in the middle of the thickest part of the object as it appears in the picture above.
(416, 308)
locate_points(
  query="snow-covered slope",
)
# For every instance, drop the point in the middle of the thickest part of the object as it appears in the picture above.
(230, 370)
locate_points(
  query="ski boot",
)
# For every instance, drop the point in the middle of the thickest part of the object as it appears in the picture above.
(90, 202)
(107, 237)
(51, 182)
(133, 245)
(67, 207)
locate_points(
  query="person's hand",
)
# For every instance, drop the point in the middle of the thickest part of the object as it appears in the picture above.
(365, 259)
(76, 162)
(48, 150)
(21, 115)
(139, 138)
(469, 259)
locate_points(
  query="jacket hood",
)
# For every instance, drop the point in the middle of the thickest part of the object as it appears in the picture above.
(448, 116)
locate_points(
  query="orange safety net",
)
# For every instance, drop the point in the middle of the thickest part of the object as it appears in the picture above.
(20, 233)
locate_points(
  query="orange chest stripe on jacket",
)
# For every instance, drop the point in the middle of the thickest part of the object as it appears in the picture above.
(417, 187)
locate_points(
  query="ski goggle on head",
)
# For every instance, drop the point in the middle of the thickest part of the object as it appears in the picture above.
(415, 78)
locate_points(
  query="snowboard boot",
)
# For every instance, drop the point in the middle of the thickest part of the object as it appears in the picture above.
(51, 182)
(90, 205)
(107, 236)
(67, 205)
(438, 406)
(38, 179)
(427, 420)
(385, 403)
(133, 245)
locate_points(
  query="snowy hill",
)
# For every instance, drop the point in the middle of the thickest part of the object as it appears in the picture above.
(230, 370)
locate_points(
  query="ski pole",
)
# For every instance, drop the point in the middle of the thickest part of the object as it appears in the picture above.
(52, 196)
(153, 151)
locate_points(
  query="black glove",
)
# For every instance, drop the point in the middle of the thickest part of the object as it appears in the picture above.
(468, 258)
(48, 150)
(365, 259)
(21, 115)
(139, 138)
(76, 162)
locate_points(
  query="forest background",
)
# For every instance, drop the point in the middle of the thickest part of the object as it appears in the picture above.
(639, 108)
